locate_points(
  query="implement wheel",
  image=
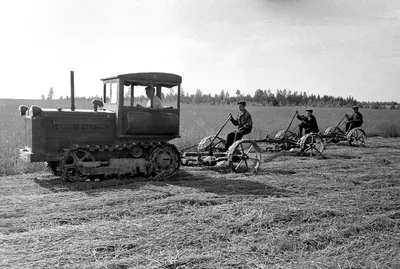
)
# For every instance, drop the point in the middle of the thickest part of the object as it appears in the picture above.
(311, 145)
(244, 156)
(356, 137)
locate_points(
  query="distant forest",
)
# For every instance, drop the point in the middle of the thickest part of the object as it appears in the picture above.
(268, 98)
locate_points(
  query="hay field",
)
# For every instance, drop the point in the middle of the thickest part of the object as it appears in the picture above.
(339, 211)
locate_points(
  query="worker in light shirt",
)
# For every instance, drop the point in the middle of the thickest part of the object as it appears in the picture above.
(150, 93)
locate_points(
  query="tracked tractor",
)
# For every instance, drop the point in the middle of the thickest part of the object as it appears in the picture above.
(117, 137)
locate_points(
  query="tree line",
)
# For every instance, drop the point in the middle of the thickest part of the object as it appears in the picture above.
(261, 97)
(279, 98)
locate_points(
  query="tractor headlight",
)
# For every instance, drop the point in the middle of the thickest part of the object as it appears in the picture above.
(35, 111)
(22, 110)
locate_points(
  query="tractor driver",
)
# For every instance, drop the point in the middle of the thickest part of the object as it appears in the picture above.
(244, 123)
(308, 123)
(150, 93)
(355, 120)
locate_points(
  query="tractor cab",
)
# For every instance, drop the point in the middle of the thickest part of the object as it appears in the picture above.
(138, 118)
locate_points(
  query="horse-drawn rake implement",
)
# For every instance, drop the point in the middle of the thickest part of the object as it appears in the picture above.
(310, 144)
(354, 137)
(243, 156)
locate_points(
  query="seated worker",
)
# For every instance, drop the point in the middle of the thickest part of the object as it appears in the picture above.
(309, 123)
(355, 120)
(150, 93)
(244, 123)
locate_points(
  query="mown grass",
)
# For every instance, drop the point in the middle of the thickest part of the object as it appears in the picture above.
(197, 121)
(340, 211)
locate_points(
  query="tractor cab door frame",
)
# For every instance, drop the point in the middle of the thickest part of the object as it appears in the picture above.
(111, 94)
(113, 98)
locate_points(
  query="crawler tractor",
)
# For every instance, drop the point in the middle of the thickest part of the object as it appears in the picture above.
(117, 137)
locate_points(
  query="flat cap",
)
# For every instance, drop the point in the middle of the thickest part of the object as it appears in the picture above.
(309, 110)
(355, 107)
(241, 103)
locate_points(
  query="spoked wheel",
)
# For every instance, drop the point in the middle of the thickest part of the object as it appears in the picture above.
(165, 160)
(244, 156)
(73, 162)
(356, 137)
(218, 144)
(283, 134)
(311, 145)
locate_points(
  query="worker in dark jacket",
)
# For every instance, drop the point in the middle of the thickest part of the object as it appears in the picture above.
(243, 122)
(308, 123)
(355, 120)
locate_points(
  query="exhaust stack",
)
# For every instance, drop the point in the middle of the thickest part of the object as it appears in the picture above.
(72, 92)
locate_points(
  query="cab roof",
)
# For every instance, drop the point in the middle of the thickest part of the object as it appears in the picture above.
(145, 79)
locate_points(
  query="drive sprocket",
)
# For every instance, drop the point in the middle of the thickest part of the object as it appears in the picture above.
(73, 162)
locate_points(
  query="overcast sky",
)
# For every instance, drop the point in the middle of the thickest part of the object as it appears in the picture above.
(333, 47)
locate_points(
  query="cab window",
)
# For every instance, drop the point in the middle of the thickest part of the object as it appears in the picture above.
(111, 93)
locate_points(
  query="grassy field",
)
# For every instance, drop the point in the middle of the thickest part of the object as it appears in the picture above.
(339, 211)
(197, 122)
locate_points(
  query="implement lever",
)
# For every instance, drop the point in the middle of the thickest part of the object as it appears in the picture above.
(290, 124)
(212, 141)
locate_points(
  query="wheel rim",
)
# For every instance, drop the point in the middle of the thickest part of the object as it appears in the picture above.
(357, 138)
(73, 162)
(244, 156)
(312, 145)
